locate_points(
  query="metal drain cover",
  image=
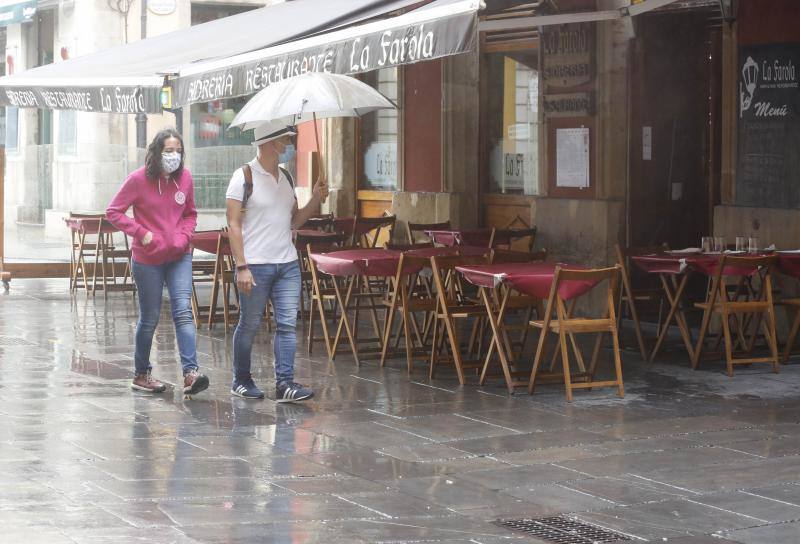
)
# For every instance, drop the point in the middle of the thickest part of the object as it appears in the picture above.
(14, 341)
(563, 530)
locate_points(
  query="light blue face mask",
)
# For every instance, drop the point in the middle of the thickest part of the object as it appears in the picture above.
(287, 155)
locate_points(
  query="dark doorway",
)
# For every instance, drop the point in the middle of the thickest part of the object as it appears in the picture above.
(674, 146)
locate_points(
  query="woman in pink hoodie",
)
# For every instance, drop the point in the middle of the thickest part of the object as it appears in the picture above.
(164, 218)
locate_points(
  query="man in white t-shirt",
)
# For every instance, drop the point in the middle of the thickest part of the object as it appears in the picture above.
(262, 210)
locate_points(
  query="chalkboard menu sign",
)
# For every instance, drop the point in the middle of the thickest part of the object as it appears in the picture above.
(768, 171)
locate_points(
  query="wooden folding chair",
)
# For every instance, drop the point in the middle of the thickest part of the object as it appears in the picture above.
(223, 283)
(116, 260)
(368, 231)
(629, 295)
(80, 248)
(514, 239)
(410, 294)
(322, 295)
(452, 307)
(95, 244)
(414, 230)
(512, 301)
(744, 299)
(202, 273)
(302, 242)
(566, 325)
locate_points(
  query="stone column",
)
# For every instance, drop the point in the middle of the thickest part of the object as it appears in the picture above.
(339, 146)
(460, 139)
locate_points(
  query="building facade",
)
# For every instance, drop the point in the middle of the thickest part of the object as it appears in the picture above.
(69, 161)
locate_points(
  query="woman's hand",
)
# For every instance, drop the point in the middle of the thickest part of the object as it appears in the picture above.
(244, 281)
(147, 238)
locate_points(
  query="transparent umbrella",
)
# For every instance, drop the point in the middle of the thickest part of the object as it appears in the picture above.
(309, 97)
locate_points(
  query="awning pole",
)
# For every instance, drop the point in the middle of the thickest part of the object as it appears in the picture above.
(141, 118)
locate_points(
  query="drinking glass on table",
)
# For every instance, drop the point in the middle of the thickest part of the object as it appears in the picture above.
(741, 243)
(707, 244)
(719, 244)
(752, 244)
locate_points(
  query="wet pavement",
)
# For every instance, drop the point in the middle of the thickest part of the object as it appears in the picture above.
(686, 457)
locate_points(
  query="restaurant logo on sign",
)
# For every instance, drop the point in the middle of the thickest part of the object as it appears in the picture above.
(768, 75)
(568, 54)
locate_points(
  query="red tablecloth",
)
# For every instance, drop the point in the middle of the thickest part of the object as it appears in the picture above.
(789, 263)
(353, 262)
(207, 241)
(465, 251)
(534, 279)
(676, 263)
(461, 237)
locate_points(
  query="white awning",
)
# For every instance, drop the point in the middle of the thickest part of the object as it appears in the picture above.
(439, 29)
(232, 56)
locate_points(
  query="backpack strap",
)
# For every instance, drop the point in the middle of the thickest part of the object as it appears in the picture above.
(248, 185)
(289, 178)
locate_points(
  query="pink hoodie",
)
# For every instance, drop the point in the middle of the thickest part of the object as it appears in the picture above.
(165, 208)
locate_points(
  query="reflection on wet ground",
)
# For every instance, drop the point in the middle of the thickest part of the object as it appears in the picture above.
(686, 456)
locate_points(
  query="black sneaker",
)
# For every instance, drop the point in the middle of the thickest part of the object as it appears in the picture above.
(292, 392)
(246, 388)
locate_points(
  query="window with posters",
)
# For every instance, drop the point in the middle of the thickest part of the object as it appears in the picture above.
(380, 136)
(221, 149)
(210, 122)
(511, 105)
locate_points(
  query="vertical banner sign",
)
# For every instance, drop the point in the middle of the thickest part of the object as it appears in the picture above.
(13, 12)
(768, 169)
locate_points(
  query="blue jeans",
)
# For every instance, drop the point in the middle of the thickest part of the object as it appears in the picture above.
(279, 283)
(150, 280)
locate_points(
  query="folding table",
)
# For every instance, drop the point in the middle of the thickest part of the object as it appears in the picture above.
(414, 264)
(673, 272)
(355, 266)
(533, 279)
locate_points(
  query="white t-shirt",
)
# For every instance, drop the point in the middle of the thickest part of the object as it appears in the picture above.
(267, 222)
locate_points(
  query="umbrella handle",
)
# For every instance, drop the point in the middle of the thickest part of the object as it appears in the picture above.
(320, 172)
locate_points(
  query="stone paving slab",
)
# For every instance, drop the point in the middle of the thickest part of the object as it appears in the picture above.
(687, 457)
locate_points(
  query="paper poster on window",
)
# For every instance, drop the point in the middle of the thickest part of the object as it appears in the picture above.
(572, 157)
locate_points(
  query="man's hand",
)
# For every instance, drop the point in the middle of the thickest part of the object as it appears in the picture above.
(244, 281)
(147, 238)
(320, 190)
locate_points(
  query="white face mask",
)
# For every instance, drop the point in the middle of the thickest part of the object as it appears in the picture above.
(170, 161)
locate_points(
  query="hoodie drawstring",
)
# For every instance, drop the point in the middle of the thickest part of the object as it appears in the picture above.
(159, 185)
